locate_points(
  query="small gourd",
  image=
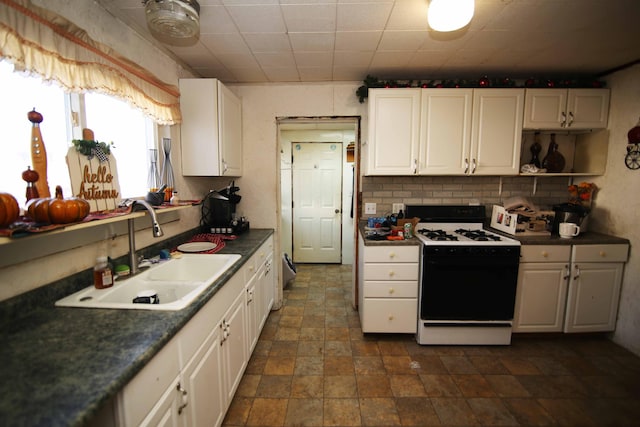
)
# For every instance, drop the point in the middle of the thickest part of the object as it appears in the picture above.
(9, 210)
(58, 210)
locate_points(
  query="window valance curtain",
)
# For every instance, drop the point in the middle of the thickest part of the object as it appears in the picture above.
(40, 42)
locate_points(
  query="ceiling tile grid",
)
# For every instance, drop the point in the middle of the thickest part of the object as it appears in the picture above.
(336, 40)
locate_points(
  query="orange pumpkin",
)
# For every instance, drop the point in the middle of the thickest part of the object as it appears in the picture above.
(58, 210)
(9, 209)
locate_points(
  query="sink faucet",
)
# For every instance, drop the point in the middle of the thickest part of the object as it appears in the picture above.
(155, 226)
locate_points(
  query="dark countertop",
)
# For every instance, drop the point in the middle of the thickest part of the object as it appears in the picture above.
(60, 365)
(587, 238)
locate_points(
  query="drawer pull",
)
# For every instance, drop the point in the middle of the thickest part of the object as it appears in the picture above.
(392, 254)
(603, 254)
(391, 317)
(391, 290)
(392, 273)
(545, 254)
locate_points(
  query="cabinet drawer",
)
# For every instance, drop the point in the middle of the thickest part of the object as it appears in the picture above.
(391, 271)
(600, 253)
(545, 253)
(390, 315)
(407, 289)
(392, 254)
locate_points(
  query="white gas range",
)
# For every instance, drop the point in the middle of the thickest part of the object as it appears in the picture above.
(468, 280)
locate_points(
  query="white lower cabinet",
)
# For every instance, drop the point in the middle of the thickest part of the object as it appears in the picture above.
(542, 288)
(569, 288)
(388, 288)
(192, 380)
(594, 288)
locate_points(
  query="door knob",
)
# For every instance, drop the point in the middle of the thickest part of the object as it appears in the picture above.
(337, 211)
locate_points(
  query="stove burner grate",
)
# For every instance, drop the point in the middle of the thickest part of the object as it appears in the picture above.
(478, 235)
(440, 235)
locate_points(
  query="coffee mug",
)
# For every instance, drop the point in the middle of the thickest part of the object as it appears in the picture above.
(568, 230)
(147, 297)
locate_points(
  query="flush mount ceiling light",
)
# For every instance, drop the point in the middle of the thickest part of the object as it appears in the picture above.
(449, 15)
(173, 20)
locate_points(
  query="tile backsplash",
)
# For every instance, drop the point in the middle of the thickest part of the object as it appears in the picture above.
(461, 190)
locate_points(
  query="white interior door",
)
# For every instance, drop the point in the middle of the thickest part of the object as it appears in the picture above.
(317, 202)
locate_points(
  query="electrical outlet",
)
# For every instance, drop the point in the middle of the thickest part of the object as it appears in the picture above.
(370, 208)
(397, 207)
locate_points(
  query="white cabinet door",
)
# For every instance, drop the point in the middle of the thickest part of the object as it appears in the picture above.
(496, 134)
(541, 297)
(445, 131)
(253, 296)
(594, 292)
(166, 413)
(211, 129)
(394, 127)
(267, 290)
(566, 109)
(202, 378)
(230, 131)
(234, 346)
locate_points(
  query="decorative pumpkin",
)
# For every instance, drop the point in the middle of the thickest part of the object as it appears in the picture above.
(58, 210)
(9, 209)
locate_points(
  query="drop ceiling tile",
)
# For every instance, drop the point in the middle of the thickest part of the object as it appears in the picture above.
(316, 74)
(275, 59)
(313, 59)
(350, 73)
(215, 19)
(234, 60)
(258, 18)
(202, 61)
(357, 40)
(282, 74)
(402, 40)
(225, 43)
(312, 42)
(429, 59)
(390, 59)
(248, 74)
(310, 17)
(352, 59)
(267, 42)
(248, 2)
(363, 16)
(408, 15)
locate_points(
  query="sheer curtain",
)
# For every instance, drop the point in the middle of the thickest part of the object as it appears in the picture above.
(41, 42)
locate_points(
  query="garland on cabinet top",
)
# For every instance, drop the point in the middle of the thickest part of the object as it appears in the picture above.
(484, 82)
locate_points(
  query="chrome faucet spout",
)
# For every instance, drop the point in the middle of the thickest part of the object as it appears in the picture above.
(155, 227)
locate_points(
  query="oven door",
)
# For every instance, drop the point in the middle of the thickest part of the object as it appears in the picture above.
(469, 283)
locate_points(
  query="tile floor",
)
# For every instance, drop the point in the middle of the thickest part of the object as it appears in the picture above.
(313, 367)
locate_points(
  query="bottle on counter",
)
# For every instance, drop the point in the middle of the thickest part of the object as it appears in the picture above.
(174, 199)
(400, 214)
(102, 274)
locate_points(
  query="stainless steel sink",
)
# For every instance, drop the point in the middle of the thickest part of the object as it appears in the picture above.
(176, 283)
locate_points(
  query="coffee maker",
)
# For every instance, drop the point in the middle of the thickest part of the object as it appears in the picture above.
(569, 212)
(219, 211)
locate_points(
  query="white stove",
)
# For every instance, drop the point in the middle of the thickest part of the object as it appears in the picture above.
(468, 277)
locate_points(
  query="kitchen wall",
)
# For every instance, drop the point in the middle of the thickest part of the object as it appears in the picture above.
(618, 202)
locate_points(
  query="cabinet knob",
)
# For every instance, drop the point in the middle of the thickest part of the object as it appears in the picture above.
(392, 254)
(545, 254)
(391, 317)
(392, 273)
(603, 254)
(391, 290)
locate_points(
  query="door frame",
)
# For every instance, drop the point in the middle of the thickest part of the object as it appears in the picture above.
(335, 123)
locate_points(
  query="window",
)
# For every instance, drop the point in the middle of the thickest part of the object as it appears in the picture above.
(110, 119)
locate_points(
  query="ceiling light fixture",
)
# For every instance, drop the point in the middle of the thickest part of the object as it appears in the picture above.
(450, 15)
(173, 20)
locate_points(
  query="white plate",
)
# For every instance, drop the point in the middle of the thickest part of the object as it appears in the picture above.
(196, 247)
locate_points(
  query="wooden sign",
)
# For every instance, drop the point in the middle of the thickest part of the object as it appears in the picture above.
(95, 179)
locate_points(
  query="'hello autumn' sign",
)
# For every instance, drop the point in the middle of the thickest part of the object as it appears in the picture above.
(94, 178)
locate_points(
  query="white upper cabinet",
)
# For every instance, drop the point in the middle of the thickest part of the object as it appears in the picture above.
(211, 129)
(471, 131)
(496, 133)
(445, 132)
(394, 128)
(568, 109)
